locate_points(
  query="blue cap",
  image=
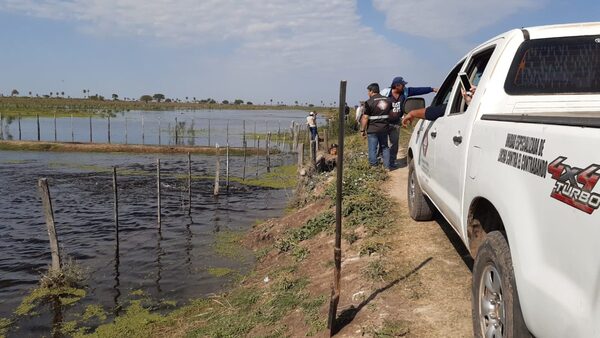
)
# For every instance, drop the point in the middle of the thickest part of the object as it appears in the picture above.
(398, 80)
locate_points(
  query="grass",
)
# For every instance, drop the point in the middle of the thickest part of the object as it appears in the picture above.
(63, 107)
(5, 324)
(282, 177)
(228, 244)
(392, 328)
(220, 272)
(314, 226)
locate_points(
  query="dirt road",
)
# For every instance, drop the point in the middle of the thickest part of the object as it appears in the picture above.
(431, 296)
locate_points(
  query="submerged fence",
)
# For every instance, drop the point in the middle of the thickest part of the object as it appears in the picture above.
(148, 129)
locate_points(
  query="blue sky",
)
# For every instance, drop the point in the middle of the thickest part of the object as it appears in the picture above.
(254, 50)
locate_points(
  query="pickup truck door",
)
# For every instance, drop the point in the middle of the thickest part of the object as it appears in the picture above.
(452, 141)
(426, 138)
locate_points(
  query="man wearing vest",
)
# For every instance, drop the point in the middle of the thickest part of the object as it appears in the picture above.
(375, 125)
(397, 94)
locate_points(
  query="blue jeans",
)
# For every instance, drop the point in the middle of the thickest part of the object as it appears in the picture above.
(313, 132)
(381, 140)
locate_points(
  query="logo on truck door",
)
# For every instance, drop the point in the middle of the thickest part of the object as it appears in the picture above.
(574, 185)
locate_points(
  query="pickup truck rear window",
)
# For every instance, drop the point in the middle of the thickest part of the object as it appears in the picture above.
(556, 66)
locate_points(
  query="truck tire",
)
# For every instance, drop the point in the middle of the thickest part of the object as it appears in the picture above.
(495, 302)
(419, 207)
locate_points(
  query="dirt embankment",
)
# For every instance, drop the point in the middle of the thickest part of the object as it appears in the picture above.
(417, 286)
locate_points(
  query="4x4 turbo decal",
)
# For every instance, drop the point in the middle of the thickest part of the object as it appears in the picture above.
(574, 185)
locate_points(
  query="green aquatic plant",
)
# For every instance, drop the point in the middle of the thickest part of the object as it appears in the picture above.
(220, 272)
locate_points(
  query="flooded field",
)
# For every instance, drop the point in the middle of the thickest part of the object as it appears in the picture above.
(198, 127)
(180, 262)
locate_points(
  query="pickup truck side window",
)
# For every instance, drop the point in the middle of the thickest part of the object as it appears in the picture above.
(443, 94)
(475, 69)
(566, 65)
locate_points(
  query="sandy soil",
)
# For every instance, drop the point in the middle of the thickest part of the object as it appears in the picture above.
(425, 293)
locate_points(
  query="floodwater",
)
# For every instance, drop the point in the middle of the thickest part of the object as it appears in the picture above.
(189, 127)
(172, 264)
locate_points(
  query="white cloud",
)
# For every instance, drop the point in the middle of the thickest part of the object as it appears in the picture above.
(441, 19)
(271, 42)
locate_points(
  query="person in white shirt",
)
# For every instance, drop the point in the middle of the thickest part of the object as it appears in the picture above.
(311, 121)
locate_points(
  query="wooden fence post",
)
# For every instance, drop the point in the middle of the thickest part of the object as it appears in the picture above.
(38, 126)
(108, 132)
(189, 183)
(337, 251)
(209, 132)
(218, 171)
(227, 169)
(176, 132)
(116, 205)
(158, 193)
(159, 131)
(300, 151)
(72, 130)
(326, 141)
(55, 136)
(255, 135)
(143, 130)
(126, 140)
(269, 152)
(90, 129)
(49, 215)
(244, 170)
(1, 127)
(244, 133)
(257, 151)
(19, 126)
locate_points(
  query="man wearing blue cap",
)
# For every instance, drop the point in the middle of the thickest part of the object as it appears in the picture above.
(397, 94)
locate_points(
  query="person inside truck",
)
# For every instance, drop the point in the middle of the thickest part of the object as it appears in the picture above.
(432, 113)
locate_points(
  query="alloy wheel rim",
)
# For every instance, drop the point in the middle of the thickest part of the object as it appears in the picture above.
(492, 316)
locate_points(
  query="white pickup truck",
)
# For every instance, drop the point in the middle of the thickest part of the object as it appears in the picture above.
(515, 173)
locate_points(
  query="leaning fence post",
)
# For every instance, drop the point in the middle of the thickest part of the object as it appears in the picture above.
(337, 251)
(19, 126)
(189, 183)
(158, 192)
(49, 215)
(218, 170)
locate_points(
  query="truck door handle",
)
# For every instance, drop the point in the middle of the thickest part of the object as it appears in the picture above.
(457, 139)
(433, 134)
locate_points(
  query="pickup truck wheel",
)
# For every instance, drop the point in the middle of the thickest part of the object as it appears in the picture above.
(495, 302)
(418, 205)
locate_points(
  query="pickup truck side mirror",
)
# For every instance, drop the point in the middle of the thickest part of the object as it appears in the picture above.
(413, 103)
